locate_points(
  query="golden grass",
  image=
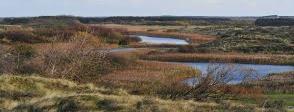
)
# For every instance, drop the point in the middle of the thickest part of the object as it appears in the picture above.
(147, 71)
(223, 57)
(36, 93)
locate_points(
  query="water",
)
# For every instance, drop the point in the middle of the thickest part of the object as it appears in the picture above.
(122, 49)
(240, 69)
(160, 40)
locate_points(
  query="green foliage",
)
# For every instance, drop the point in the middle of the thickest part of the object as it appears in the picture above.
(288, 99)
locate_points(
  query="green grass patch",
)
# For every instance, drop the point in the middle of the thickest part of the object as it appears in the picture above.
(288, 98)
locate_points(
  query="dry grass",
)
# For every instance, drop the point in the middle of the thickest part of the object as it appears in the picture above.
(276, 83)
(150, 71)
(221, 57)
(43, 94)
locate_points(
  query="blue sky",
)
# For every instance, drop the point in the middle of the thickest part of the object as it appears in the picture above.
(16, 8)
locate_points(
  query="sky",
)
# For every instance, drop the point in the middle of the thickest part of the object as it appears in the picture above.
(102, 8)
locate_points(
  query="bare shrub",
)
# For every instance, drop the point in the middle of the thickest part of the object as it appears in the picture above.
(78, 62)
(7, 63)
(208, 84)
(18, 60)
(170, 88)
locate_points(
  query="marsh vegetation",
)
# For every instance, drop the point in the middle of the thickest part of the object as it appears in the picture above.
(63, 64)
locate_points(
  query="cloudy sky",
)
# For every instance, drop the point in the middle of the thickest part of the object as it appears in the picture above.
(16, 8)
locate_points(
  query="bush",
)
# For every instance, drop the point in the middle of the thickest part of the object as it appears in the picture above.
(123, 42)
(28, 68)
(19, 60)
(23, 55)
(274, 105)
(22, 36)
(77, 64)
(67, 105)
(24, 51)
(5, 60)
(108, 105)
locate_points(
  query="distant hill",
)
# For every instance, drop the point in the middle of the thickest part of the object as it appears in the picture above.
(275, 21)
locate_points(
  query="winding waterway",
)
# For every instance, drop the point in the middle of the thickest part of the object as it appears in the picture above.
(161, 40)
(260, 70)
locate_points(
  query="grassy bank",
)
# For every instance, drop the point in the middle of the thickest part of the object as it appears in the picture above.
(20, 93)
(278, 89)
(287, 98)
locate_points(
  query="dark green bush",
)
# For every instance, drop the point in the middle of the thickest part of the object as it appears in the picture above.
(123, 42)
(108, 105)
(67, 105)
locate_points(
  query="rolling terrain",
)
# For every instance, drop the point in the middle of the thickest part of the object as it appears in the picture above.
(67, 63)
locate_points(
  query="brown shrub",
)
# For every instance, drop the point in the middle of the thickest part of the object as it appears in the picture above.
(79, 62)
(18, 59)
(22, 36)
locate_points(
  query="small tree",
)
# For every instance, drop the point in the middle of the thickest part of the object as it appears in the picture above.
(217, 75)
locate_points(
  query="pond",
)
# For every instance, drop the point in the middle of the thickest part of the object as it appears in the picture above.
(239, 69)
(162, 40)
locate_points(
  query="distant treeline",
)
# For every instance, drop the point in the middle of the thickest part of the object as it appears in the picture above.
(26, 20)
(154, 18)
(151, 20)
(118, 20)
(275, 22)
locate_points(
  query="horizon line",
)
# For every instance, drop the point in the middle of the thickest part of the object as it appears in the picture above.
(136, 16)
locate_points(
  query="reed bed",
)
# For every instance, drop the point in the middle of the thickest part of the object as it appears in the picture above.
(222, 57)
(148, 71)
